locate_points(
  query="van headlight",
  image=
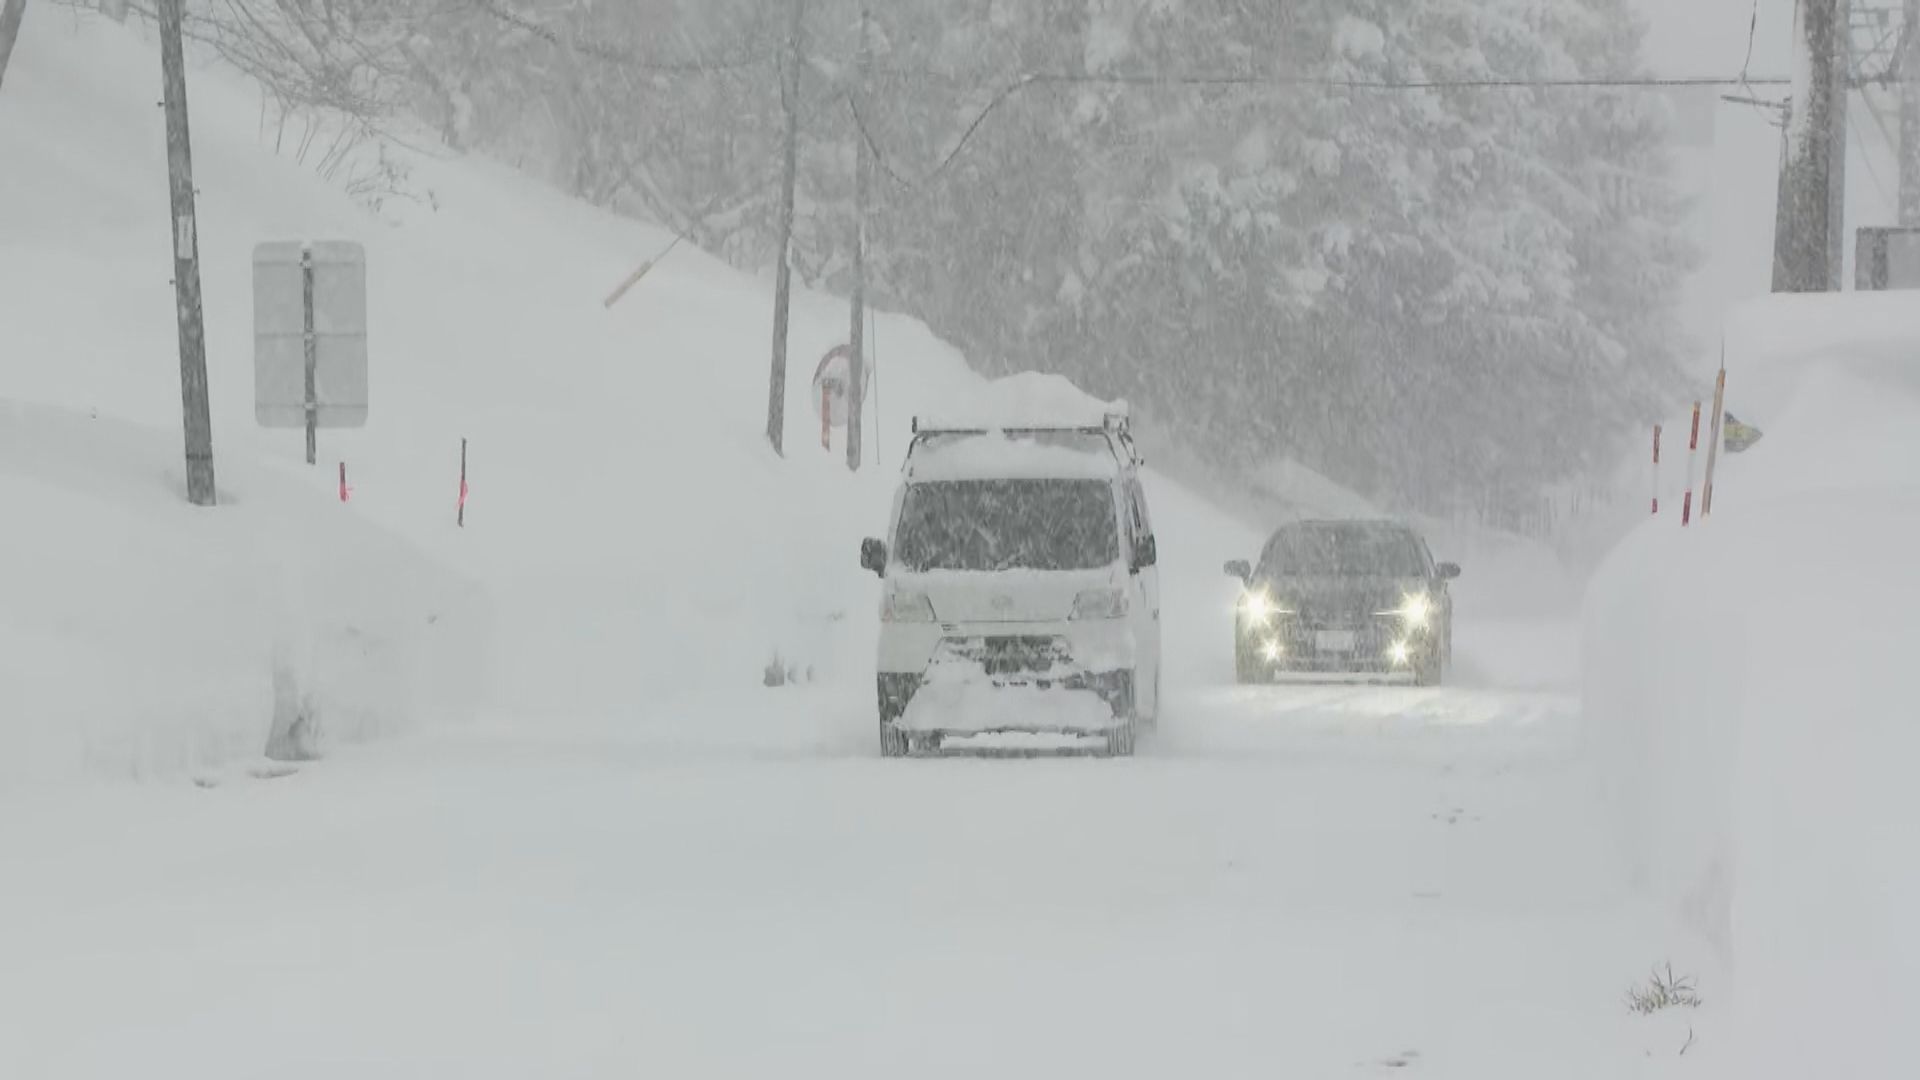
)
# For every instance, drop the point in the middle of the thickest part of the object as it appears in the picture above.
(906, 607)
(1100, 604)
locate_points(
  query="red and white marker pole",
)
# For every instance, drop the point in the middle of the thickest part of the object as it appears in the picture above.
(1656, 469)
(1693, 452)
(826, 416)
(344, 490)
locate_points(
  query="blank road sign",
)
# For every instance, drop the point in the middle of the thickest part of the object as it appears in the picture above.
(339, 332)
(1903, 260)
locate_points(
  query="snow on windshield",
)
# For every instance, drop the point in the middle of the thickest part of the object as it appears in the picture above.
(1008, 525)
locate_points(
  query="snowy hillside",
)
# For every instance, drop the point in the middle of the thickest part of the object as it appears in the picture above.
(636, 537)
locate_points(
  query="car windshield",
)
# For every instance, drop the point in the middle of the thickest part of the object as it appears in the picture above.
(1343, 551)
(1008, 525)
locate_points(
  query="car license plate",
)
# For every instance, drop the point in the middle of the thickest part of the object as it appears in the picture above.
(1334, 640)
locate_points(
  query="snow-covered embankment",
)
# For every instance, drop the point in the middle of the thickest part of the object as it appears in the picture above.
(1750, 691)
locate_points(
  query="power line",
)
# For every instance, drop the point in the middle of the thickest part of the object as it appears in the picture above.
(1753, 32)
(1190, 80)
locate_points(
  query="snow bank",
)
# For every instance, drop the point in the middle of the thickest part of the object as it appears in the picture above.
(995, 456)
(146, 637)
(1748, 695)
(1025, 400)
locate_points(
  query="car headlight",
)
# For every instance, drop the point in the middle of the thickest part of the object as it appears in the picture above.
(1260, 609)
(906, 607)
(1100, 604)
(1415, 611)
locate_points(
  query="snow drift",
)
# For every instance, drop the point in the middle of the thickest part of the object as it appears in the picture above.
(1749, 696)
(146, 637)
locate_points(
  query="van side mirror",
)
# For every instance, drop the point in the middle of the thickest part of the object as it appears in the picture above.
(1146, 553)
(873, 556)
(1447, 571)
(1241, 569)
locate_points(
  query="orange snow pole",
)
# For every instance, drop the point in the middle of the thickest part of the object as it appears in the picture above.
(1693, 450)
(460, 511)
(1656, 470)
(826, 416)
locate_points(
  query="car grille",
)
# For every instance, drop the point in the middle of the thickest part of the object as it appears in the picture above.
(1011, 655)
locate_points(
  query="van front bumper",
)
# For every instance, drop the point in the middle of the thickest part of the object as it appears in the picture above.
(1085, 658)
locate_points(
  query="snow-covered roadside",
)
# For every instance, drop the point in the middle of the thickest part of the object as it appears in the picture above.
(755, 899)
(1749, 692)
(144, 637)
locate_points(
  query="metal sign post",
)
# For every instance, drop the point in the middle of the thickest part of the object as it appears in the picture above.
(309, 352)
(310, 337)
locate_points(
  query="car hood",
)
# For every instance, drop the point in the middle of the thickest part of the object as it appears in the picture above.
(1013, 596)
(1339, 597)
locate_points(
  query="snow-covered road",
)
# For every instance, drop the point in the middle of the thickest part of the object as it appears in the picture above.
(1287, 882)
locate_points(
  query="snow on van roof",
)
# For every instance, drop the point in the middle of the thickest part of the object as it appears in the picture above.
(1030, 399)
(994, 456)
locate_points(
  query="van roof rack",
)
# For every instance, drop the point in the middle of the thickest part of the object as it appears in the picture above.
(1114, 427)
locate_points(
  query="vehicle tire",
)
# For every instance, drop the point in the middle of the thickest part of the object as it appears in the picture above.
(1246, 665)
(893, 742)
(1432, 668)
(1120, 740)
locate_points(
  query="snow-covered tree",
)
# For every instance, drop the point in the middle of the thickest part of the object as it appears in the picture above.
(1439, 294)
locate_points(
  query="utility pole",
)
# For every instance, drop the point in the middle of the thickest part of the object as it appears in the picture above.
(1910, 116)
(783, 272)
(1803, 226)
(11, 13)
(1837, 140)
(195, 413)
(857, 340)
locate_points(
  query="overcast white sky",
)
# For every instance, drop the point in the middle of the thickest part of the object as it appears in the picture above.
(1709, 37)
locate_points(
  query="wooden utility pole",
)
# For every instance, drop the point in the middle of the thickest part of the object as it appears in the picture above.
(1910, 116)
(857, 339)
(1837, 141)
(783, 271)
(1803, 228)
(195, 413)
(11, 12)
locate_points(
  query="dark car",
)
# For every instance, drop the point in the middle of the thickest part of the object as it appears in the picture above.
(1344, 598)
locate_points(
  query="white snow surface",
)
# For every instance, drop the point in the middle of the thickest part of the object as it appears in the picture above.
(631, 858)
(1029, 399)
(967, 703)
(995, 456)
(1748, 690)
(146, 638)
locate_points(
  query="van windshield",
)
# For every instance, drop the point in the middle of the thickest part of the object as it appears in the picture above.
(1008, 525)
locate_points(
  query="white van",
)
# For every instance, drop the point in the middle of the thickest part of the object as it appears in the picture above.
(1021, 590)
